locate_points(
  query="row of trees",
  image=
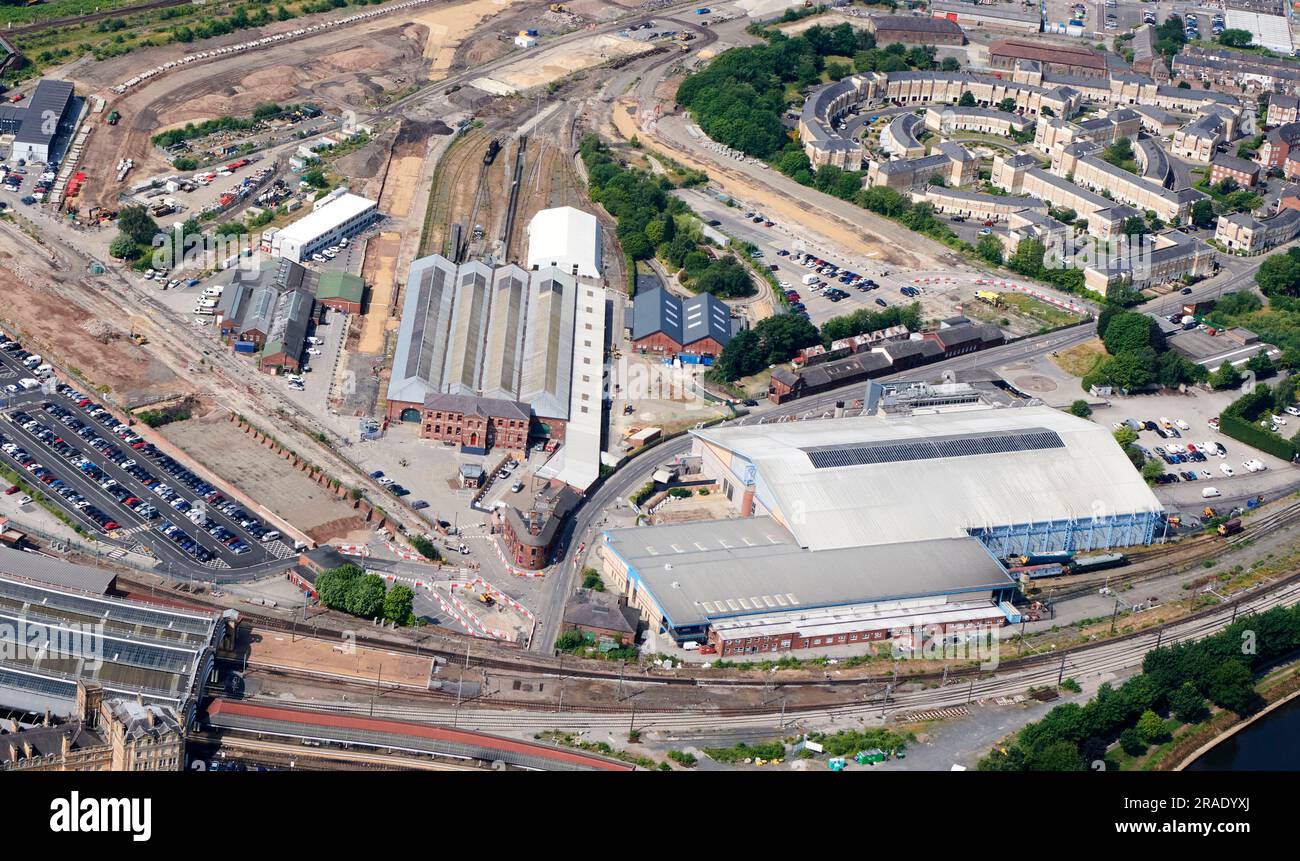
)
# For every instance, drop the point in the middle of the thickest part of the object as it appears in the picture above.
(350, 589)
(648, 217)
(1175, 680)
(1029, 259)
(866, 320)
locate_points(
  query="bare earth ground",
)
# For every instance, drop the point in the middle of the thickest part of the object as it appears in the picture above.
(329, 656)
(791, 211)
(338, 69)
(49, 322)
(378, 271)
(219, 445)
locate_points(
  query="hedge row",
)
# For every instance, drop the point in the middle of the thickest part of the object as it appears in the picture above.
(1243, 431)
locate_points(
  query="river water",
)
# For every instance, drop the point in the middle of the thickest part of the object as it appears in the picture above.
(1271, 743)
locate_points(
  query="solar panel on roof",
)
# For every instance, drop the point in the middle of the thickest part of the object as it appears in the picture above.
(898, 451)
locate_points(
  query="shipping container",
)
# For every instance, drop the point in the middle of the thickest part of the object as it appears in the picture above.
(245, 347)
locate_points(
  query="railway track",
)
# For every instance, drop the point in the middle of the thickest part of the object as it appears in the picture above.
(452, 170)
(1073, 658)
(1108, 656)
(1182, 556)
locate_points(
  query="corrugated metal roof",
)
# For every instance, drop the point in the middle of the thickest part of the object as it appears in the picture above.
(699, 572)
(50, 98)
(56, 572)
(548, 343)
(924, 499)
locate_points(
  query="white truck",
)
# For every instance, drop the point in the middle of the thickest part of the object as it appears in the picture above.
(810, 279)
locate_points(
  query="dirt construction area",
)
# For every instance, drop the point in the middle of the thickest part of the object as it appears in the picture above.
(338, 70)
(261, 474)
(337, 658)
(48, 320)
(539, 69)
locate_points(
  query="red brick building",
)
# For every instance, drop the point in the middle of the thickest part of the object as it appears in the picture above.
(477, 425)
(531, 536)
(1244, 173)
(663, 323)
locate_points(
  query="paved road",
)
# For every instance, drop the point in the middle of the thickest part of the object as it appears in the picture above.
(584, 526)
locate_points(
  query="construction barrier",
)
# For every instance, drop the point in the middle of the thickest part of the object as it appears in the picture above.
(354, 549)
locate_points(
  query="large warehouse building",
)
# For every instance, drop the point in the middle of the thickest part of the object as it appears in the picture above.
(919, 505)
(511, 345)
(42, 126)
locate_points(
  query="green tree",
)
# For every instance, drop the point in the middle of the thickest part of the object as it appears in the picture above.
(1059, 756)
(1128, 331)
(136, 223)
(1081, 409)
(332, 586)
(1226, 377)
(1028, 258)
(1130, 740)
(1235, 38)
(399, 604)
(1203, 213)
(1152, 728)
(1279, 274)
(950, 64)
(989, 248)
(1125, 436)
(1187, 703)
(123, 248)
(1231, 686)
(365, 596)
(1152, 469)
(967, 100)
(726, 278)
(1007, 105)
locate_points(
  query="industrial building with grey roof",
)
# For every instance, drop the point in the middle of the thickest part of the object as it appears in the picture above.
(912, 505)
(53, 636)
(471, 329)
(667, 323)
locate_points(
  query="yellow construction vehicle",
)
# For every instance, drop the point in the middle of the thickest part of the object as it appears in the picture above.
(486, 599)
(556, 7)
(138, 336)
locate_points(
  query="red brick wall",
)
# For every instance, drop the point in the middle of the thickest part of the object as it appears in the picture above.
(342, 305)
(1218, 173)
(474, 430)
(661, 343)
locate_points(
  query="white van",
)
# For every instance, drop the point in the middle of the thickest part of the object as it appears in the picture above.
(44, 370)
(32, 361)
(271, 536)
(29, 384)
(212, 291)
(1210, 492)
